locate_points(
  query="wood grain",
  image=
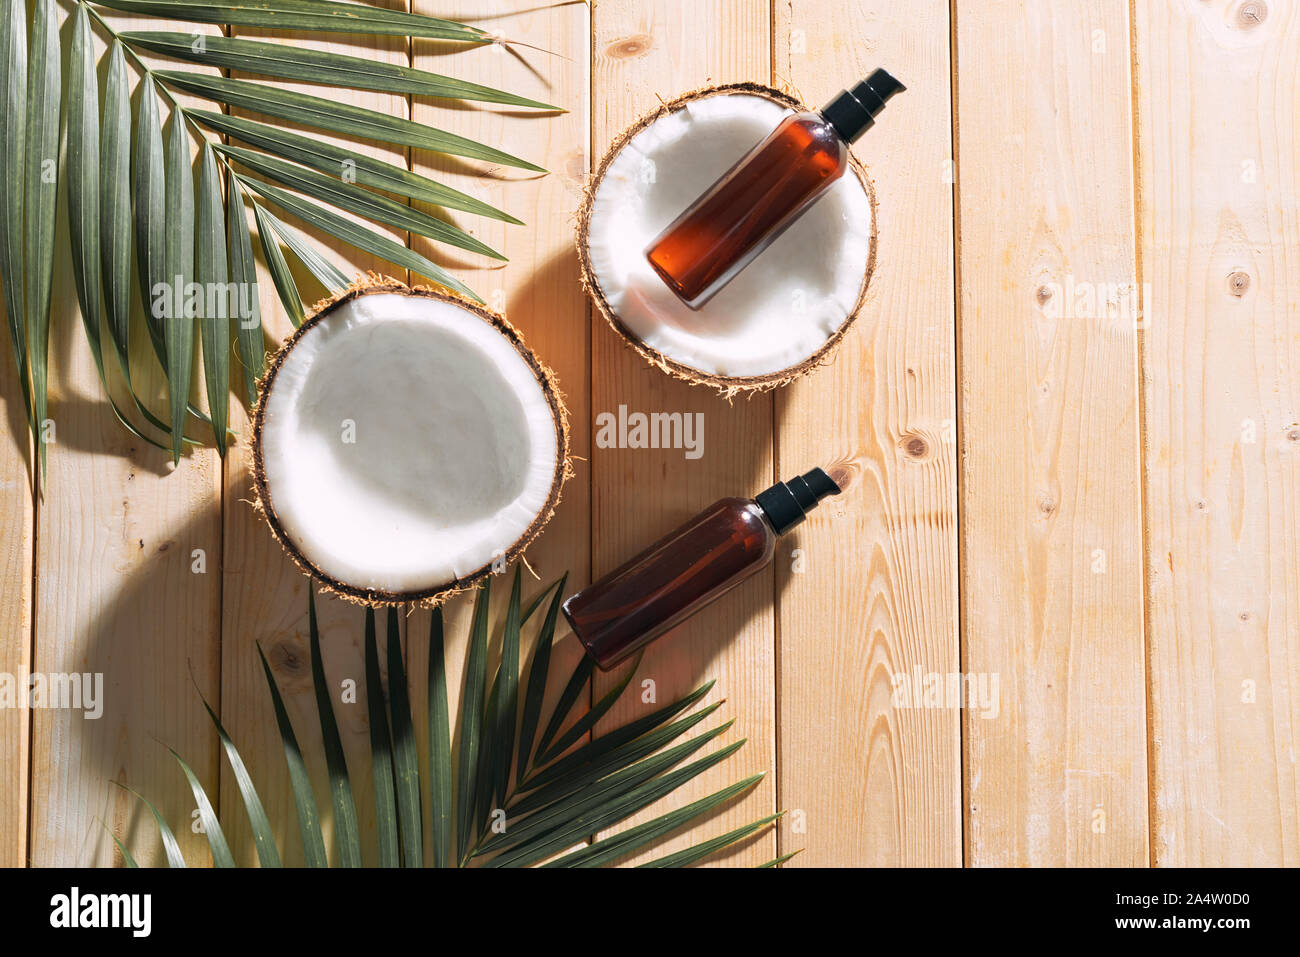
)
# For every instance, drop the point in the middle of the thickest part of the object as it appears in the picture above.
(1219, 146)
(121, 535)
(1100, 518)
(17, 543)
(644, 53)
(1048, 424)
(867, 587)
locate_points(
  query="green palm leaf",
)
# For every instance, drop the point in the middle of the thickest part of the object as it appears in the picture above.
(246, 310)
(83, 166)
(700, 851)
(331, 158)
(609, 813)
(324, 114)
(628, 842)
(363, 202)
(178, 265)
(593, 788)
(303, 798)
(149, 191)
(41, 193)
(381, 754)
(317, 66)
(440, 780)
(170, 845)
(115, 206)
(359, 236)
(314, 15)
(406, 766)
(263, 835)
(221, 856)
(285, 288)
(13, 161)
(507, 704)
(345, 809)
(472, 721)
(133, 183)
(568, 698)
(326, 273)
(537, 675)
(212, 272)
(596, 765)
(561, 812)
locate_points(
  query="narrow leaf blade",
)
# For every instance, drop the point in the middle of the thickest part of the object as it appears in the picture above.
(263, 834)
(308, 65)
(323, 114)
(472, 721)
(381, 754)
(304, 800)
(115, 206)
(346, 832)
(538, 673)
(213, 276)
(221, 856)
(178, 257)
(406, 765)
(45, 81)
(324, 16)
(331, 158)
(247, 310)
(440, 779)
(281, 277)
(359, 236)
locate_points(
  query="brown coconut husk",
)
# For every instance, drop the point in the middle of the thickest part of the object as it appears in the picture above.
(727, 385)
(368, 285)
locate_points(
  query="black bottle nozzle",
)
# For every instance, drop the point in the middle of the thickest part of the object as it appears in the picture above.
(854, 110)
(786, 504)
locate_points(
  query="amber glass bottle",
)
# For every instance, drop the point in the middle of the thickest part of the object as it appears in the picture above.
(744, 212)
(688, 568)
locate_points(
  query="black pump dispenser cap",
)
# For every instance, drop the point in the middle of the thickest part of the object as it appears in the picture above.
(786, 504)
(854, 110)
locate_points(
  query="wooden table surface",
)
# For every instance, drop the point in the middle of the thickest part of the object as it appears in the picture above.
(1094, 513)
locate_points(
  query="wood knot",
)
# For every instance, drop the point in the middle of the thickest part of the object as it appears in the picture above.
(629, 47)
(1244, 617)
(1293, 434)
(1250, 15)
(1046, 504)
(287, 659)
(1043, 294)
(915, 446)
(1238, 283)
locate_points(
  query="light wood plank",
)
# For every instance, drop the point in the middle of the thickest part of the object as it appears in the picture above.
(644, 53)
(1219, 145)
(265, 598)
(119, 538)
(872, 591)
(1051, 520)
(538, 290)
(16, 547)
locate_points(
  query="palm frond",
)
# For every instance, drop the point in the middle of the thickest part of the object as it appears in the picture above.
(545, 813)
(130, 183)
(311, 15)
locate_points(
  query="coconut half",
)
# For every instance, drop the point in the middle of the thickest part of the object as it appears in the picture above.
(782, 315)
(404, 440)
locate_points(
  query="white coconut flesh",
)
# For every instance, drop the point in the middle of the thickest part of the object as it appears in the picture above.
(406, 443)
(784, 306)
